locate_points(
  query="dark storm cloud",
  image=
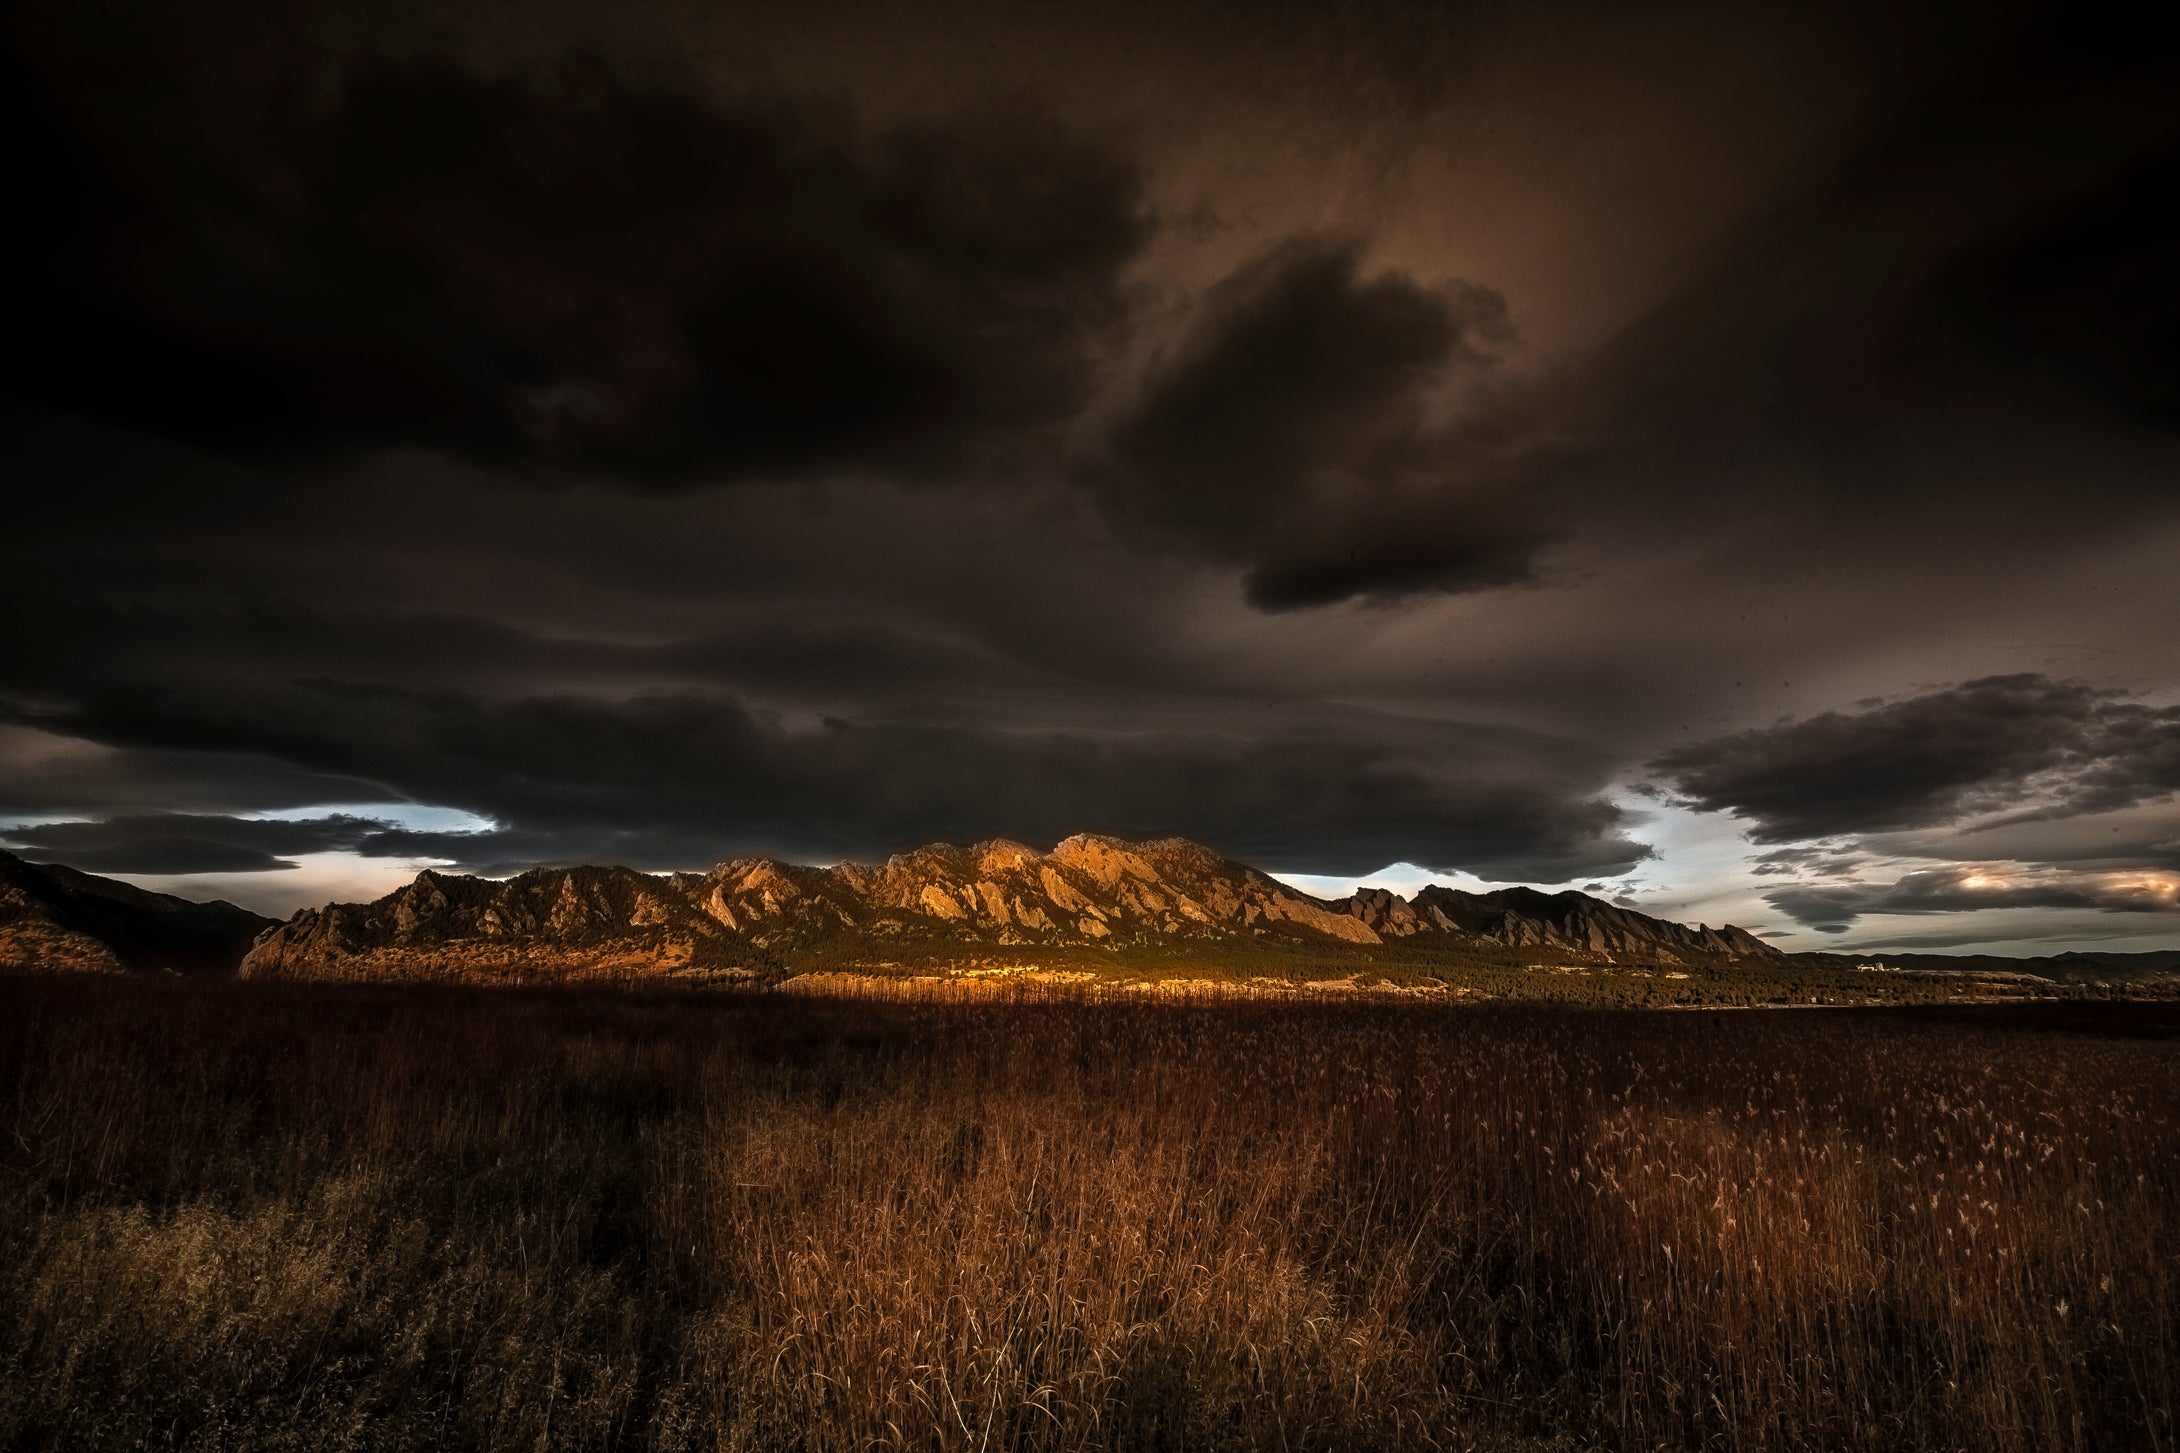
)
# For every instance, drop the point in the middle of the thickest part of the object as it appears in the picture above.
(47, 774)
(1960, 889)
(2085, 289)
(678, 776)
(1948, 344)
(575, 272)
(1867, 391)
(106, 641)
(1300, 428)
(2079, 285)
(178, 842)
(667, 780)
(2024, 742)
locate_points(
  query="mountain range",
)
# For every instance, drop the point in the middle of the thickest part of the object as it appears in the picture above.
(1089, 897)
(1090, 901)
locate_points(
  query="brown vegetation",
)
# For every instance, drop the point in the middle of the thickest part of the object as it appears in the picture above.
(240, 1215)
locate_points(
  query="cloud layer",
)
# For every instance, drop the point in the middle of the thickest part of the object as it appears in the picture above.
(1965, 889)
(1350, 437)
(2024, 743)
(1321, 427)
(1989, 764)
(581, 274)
(662, 780)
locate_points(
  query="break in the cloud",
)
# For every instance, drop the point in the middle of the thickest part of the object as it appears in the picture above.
(1959, 772)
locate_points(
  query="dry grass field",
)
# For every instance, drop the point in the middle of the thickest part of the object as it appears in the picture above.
(260, 1216)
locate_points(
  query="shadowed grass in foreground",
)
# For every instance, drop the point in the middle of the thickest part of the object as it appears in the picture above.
(259, 1216)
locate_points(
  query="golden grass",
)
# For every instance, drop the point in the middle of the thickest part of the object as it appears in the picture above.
(256, 1216)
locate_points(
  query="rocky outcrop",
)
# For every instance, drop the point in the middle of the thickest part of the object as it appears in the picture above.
(1526, 918)
(756, 916)
(55, 919)
(749, 915)
(1098, 889)
(549, 923)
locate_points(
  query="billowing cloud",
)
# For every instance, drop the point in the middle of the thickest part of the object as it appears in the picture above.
(572, 271)
(1328, 431)
(47, 774)
(681, 780)
(178, 842)
(1687, 387)
(2022, 742)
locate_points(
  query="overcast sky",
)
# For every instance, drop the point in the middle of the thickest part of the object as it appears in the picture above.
(1724, 457)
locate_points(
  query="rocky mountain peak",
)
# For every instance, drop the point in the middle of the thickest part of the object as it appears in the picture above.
(1164, 896)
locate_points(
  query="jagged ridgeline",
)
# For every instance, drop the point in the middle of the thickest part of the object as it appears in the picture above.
(57, 919)
(1090, 902)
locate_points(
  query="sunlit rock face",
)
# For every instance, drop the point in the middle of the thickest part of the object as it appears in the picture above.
(756, 916)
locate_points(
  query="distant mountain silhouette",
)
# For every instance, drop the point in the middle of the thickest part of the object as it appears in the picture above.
(55, 918)
(1169, 897)
(1524, 917)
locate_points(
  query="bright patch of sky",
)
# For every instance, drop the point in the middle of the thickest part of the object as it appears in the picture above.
(412, 816)
(1700, 871)
(315, 880)
(1696, 873)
